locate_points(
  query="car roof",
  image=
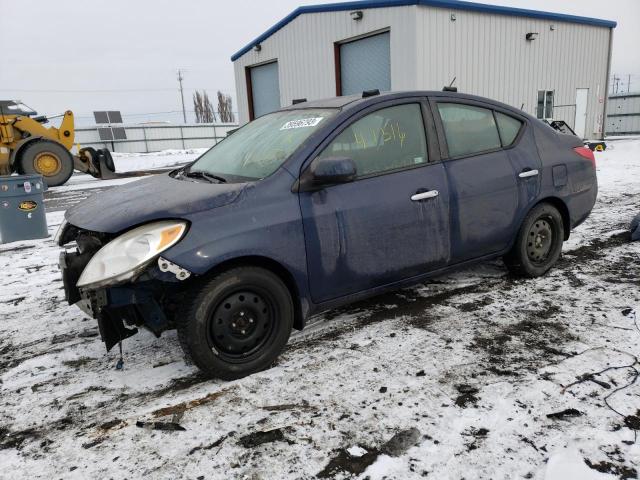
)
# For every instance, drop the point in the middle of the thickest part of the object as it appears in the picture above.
(348, 102)
(333, 102)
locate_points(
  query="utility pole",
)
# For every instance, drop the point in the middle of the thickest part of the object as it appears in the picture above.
(184, 112)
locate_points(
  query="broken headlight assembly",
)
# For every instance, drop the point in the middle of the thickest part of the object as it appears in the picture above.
(127, 255)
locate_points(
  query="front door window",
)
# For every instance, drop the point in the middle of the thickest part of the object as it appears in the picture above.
(392, 138)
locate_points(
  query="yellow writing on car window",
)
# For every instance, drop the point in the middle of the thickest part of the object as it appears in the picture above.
(402, 135)
(359, 139)
(390, 133)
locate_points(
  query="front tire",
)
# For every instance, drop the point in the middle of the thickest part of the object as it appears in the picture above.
(237, 323)
(539, 243)
(49, 159)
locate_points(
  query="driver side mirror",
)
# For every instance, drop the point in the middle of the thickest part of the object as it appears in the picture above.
(328, 171)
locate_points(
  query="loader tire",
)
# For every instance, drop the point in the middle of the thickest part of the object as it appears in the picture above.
(49, 159)
(93, 157)
(108, 159)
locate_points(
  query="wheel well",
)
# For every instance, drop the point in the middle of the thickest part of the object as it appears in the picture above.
(564, 212)
(274, 267)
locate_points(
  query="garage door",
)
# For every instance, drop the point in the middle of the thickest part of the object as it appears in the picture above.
(265, 89)
(365, 64)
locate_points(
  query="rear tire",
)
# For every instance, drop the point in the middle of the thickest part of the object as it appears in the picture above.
(237, 323)
(539, 243)
(49, 159)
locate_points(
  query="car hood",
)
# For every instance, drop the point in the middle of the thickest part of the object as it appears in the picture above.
(154, 198)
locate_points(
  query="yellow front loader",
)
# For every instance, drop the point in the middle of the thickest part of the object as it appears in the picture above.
(27, 146)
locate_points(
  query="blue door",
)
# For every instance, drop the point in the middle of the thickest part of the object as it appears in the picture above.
(523, 154)
(484, 187)
(392, 222)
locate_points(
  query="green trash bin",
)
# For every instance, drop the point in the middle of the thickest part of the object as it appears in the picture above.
(22, 212)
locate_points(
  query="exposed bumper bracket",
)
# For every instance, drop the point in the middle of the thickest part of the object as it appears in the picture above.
(167, 266)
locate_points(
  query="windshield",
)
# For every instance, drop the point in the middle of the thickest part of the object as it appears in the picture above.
(260, 147)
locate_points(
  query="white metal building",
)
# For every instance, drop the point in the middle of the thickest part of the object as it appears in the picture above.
(623, 114)
(551, 65)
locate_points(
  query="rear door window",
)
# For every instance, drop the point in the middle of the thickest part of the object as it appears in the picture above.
(468, 129)
(509, 128)
(388, 139)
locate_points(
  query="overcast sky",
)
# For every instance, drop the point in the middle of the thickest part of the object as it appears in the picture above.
(88, 55)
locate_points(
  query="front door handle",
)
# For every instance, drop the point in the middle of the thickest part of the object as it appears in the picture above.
(416, 197)
(528, 173)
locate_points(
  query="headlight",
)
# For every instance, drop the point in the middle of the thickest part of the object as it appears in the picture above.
(124, 257)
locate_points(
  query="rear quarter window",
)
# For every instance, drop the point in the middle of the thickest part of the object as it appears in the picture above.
(509, 128)
(468, 129)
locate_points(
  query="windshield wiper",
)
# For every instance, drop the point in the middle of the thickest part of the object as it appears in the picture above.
(207, 176)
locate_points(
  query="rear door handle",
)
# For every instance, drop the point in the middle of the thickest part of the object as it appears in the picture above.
(528, 173)
(416, 197)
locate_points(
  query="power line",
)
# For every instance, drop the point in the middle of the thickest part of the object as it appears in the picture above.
(141, 114)
(624, 83)
(122, 90)
(136, 114)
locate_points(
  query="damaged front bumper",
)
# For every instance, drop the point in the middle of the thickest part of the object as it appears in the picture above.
(150, 301)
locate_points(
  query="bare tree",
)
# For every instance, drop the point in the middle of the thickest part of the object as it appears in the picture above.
(203, 108)
(225, 108)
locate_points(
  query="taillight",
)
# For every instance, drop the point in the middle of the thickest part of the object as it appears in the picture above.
(586, 152)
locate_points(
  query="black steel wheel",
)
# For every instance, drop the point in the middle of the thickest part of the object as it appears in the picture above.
(539, 242)
(237, 323)
(241, 324)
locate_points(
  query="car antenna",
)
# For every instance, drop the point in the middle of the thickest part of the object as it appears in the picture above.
(450, 87)
(522, 106)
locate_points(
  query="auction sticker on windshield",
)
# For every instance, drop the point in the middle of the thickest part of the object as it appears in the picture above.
(303, 122)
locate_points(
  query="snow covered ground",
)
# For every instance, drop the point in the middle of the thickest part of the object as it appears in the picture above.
(129, 167)
(127, 162)
(471, 375)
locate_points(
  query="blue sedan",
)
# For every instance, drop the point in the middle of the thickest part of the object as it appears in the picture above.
(317, 205)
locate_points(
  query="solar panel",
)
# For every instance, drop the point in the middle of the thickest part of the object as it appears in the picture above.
(101, 117)
(119, 133)
(109, 134)
(114, 116)
(105, 134)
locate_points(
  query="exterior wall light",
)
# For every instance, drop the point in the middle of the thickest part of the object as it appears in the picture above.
(357, 15)
(531, 36)
(453, 17)
(257, 47)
